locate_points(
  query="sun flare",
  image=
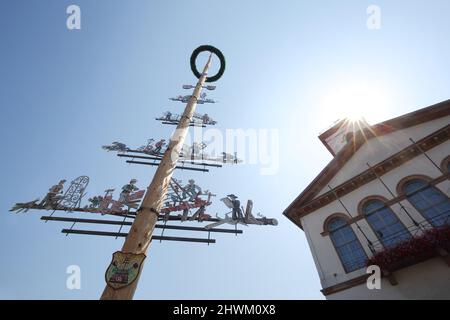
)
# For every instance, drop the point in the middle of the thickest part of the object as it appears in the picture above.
(356, 102)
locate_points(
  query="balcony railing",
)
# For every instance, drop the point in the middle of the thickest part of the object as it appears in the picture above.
(408, 233)
(422, 241)
(417, 243)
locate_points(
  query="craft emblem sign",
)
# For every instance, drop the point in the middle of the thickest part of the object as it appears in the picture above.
(124, 269)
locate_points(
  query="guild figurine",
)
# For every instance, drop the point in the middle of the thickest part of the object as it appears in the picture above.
(95, 202)
(148, 149)
(116, 146)
(237, 211)
(53, 195)
(191, 190)
(127, 190)
(159, 145)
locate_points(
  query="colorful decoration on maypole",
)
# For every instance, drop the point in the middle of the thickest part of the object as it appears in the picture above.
(69, 201)
(193, 154)
(198, 120)
(124, 269)
(183, 203)
(56, 199)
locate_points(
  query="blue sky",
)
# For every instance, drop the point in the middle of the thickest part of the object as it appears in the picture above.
(65, 93)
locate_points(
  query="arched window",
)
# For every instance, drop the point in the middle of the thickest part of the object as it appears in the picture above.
(347, 245)
(445, 165)
(385, 223)
(429, 201)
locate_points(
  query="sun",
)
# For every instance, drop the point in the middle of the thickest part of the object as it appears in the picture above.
(355, 102)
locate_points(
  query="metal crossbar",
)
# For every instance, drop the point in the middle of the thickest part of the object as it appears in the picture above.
(129, 223)
(123, 234)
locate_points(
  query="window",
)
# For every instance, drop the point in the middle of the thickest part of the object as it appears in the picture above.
(429, 201)
(385, 223)
(445, 165)
(349, 249)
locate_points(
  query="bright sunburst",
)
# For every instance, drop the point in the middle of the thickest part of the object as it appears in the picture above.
(355, 102)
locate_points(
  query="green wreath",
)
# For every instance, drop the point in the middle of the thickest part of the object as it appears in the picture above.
(214, 50)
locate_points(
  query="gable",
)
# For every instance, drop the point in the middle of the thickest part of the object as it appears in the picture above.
(377, 149)
(358, 140)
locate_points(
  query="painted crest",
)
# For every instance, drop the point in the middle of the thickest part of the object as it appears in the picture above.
(124, 269)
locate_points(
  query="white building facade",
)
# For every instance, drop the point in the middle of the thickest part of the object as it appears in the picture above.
(383, 200)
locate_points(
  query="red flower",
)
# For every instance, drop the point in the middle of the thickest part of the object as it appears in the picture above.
(416, 249)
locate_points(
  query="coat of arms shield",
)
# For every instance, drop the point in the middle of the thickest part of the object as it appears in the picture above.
(124, 269)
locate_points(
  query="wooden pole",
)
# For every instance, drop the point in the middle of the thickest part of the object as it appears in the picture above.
(140, 235)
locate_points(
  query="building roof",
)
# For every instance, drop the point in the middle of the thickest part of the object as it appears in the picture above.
(353, 144)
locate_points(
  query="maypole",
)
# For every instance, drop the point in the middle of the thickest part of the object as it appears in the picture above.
(140, 235)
